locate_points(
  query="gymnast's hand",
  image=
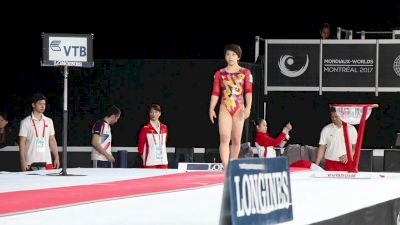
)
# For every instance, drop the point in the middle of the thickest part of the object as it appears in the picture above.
(24, 166)
(343, 158)
(287, 128)
(212, 116)
(110, 157)
(56, 163)
(246, 113)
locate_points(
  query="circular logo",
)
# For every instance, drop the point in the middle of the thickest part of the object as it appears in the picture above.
(288, 60)
(396, 65)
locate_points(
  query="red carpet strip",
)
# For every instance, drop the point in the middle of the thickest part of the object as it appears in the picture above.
(22, 201)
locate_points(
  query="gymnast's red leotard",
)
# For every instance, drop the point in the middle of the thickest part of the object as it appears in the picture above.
(232, 85)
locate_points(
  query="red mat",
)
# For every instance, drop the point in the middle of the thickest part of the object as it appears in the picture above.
(33, 200)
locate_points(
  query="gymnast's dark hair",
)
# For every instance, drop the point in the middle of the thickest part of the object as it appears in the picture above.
(5, 117)
(234, 48)
(257, 122)
(113, 110)
(156, 107)
(38, 97)
(325, 25)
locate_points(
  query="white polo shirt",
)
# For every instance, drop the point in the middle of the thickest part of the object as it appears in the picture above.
(333, 137)
(34, 129)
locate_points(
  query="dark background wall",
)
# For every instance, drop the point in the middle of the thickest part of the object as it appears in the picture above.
(121, 33)
(183, 89)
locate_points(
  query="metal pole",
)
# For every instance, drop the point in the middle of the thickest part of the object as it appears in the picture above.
(321, 45)
(265, 109)
(377, 68)
(65, 123)
(339, 33)
(363, 35)
(265, 67)
(396, 34)
(257, 49)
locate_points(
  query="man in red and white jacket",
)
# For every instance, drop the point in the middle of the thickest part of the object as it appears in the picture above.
(152, 143)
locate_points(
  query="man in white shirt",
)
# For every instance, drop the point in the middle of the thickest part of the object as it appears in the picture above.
(37, 137)
(332, 144)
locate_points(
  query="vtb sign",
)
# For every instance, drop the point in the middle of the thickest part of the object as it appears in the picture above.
(68, 49)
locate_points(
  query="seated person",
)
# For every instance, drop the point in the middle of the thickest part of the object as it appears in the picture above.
(325, 31)
(264, 143)
(7, 136)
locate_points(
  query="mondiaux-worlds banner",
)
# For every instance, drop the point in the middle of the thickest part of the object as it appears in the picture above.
(348, 64)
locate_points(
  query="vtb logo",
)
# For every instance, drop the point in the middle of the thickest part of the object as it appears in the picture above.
(77, 50)
(288, 60)
(55, 46)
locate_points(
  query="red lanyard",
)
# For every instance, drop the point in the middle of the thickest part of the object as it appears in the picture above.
(160, 139)
(44, 127)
